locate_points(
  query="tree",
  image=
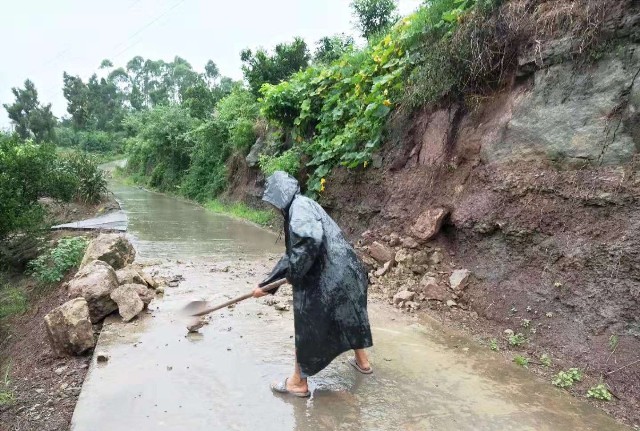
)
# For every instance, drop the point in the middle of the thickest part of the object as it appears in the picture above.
(374, 16)
(211, 72)
(331, 48)
(31, 120)
(77, 95)
(264, 67)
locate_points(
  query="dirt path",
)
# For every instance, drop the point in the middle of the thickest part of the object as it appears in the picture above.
(157, 377)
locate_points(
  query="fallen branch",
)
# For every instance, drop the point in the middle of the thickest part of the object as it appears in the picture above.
(622, 368)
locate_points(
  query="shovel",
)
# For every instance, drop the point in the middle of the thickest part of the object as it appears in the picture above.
(201, 308)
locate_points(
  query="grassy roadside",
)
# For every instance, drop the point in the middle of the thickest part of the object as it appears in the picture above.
(242, 211)
(239, 210)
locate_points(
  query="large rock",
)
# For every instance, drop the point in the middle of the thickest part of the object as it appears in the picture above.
(95, 282)
(145, 294)
(69, 329)
(253, 157)
(380, 252)
(128, 300)
(129, 275)
(428, 224)
(111, 248)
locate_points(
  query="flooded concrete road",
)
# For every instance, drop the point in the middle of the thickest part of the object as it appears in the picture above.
(160, 378)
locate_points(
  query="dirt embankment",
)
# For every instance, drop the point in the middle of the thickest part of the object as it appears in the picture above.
(541, 185)
(44, 387)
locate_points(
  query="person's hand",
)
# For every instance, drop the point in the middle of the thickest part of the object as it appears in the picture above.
(258, 292)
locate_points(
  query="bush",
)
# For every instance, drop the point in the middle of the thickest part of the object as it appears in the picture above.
(52, 265)
(565, 379)
(87, 181)
(289, 161)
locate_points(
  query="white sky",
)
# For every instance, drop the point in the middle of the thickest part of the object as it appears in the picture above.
(43, 38)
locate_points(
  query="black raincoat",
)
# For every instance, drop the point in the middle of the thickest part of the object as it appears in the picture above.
(329, 281)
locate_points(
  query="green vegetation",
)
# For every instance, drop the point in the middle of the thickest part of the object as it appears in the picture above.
(13, 301)
(522, 361)
(374, 17)
(31, 119)
(566, 379)
(493, 345)
(30, 171)
(545, 360)
(600, 392)
(613, 342)
(289, 161)
(52, 265)
(516, 340)
(242, 211)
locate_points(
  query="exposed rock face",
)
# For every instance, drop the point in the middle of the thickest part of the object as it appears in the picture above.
(95, 282)
(253, 157)
(111, 248)
(69, 329)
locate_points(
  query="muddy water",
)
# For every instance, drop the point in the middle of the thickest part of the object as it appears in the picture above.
(158, 378)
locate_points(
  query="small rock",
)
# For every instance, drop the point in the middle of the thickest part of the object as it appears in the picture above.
(403, 296)
(403, 256)
(169, 368)
(412, 305)
(451, 303)
(459, 278)
(40, 391)
(195, 326)
(394, 240)
(508, 332)
(281, 306)
(409, 242)
(60, 370)
(432, 289)
(436, 257)
(382, 271)
(102, 357)
(380, 252)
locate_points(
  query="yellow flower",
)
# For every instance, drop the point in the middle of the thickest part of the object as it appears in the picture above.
(322, 183)
(387, 102)
(366, 163)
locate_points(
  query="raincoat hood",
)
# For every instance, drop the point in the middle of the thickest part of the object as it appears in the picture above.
(280, 190)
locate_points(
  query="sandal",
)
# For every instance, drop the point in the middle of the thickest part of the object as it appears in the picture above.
(281, 388)
(355, 365)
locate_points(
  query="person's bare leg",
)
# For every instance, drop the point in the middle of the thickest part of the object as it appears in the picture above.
(362, 359)
(296, 383)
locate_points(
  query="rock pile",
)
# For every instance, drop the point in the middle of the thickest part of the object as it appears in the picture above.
(412, 272)
(107, 281)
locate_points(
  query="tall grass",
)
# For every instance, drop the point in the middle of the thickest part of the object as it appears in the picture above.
(242, 211)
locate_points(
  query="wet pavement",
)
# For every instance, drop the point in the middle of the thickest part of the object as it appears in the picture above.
(114, 221)
(160, 378)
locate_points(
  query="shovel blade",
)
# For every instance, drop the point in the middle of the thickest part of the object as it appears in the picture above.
(194, 307)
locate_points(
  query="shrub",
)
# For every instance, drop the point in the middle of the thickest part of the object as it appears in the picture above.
(565, 379)
(600, 392)
(52, 265)
(12, 301)
(289, 161)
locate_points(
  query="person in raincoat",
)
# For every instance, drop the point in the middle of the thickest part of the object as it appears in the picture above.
(329, 286)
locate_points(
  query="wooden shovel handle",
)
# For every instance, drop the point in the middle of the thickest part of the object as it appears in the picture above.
(247, 295)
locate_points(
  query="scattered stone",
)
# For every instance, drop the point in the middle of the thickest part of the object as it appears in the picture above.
(409, 242)
(431, 289)
(436, 257)
(160, 290)
(382, 271)
(282, 306)
(60, 370)
(111, 248)
(394, 240)
(129, 275)
(403, 256)
(428, 224)
(102, 357)
(196, 325)
(40, 391)
(403, 296)
(69, 329)
(128, 300)
(459, 278)
(380, 252)
(508, 332)
(451, 303)
(145, 294)
(95, 282)
(412, 305)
